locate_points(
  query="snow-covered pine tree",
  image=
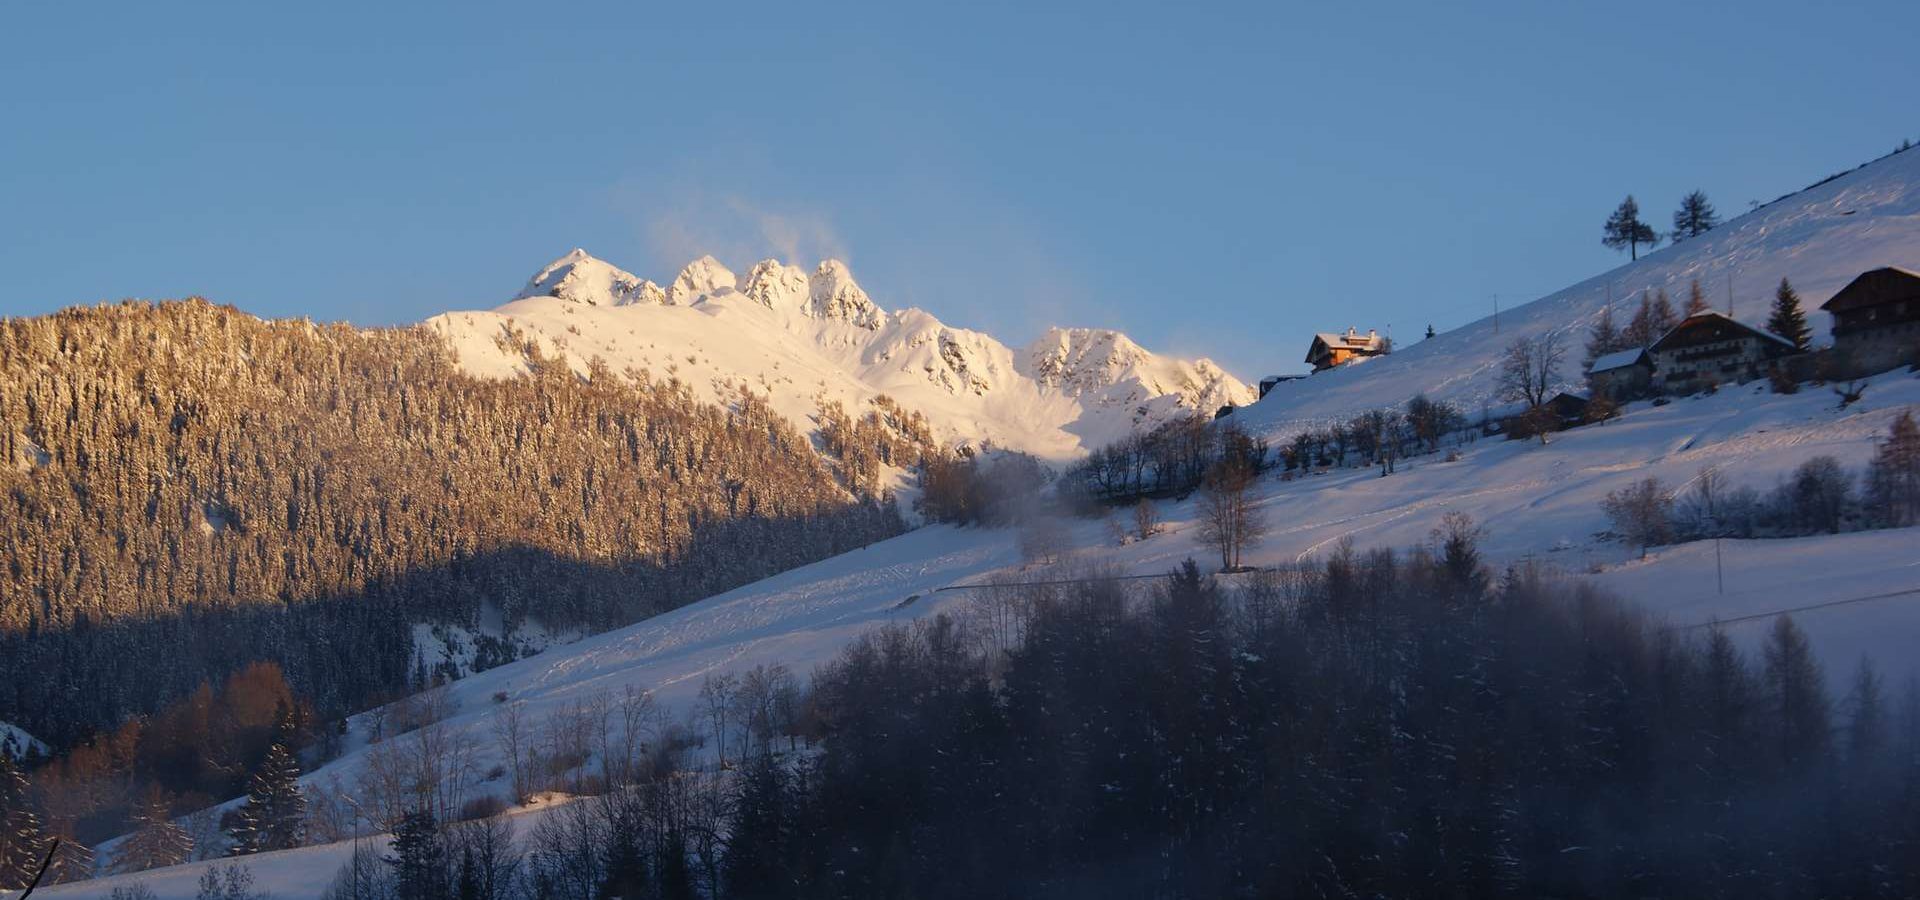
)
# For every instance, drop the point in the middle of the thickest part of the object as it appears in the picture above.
(157, 840)
(72, 860)
(1695, 217)
(274, 815)
(22, 841)
(1696, 299)
(1787, 320)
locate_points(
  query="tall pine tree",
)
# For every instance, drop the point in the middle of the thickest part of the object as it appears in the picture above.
(1625, 230)
(156, 841)
(419, 858)
(274, 815)
(72, 860)
(763, 827)
(1695, 217)
(1797, 697)
(1787, 320)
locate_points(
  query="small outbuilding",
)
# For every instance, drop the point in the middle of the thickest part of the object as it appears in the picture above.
(1560, 412)
(1271, 381)
(1621, 375)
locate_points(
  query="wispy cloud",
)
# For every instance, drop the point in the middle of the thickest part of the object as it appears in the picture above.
(684, 224)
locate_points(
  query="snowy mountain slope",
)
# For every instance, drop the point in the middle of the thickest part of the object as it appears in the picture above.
(1538, 503)
(1819, 238)
(802, 337)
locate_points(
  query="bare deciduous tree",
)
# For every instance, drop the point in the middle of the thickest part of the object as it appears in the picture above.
(1531, 368)
(510, 731)
(717, 692)
(1228, 519)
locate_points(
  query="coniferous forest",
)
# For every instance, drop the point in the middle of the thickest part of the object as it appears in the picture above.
(1379, 726)
(185, 489)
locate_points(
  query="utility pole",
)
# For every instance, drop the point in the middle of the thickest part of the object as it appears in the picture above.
(1719, 571)
(1729, 293)
(1496, 313)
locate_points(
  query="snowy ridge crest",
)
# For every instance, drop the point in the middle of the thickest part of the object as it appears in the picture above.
(802, 337)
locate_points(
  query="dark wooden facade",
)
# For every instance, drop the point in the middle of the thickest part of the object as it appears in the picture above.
(1876, 319)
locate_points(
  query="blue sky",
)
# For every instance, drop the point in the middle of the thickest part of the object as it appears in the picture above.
(1218, 179)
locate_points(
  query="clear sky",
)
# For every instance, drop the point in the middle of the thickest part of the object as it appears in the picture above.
(1218, 179)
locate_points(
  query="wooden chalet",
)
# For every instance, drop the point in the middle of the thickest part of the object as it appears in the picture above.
(1876, 319)
(1329, 349)
(1712, 348)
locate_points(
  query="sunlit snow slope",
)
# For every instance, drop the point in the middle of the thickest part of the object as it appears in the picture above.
(800, 337)
(1819, 238)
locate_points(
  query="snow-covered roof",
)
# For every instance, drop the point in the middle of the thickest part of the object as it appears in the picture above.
(1619, 359)
(1352, 340)
(1700, 318)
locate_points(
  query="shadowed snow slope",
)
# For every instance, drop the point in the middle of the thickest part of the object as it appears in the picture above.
(1819, 238)
(802, 337)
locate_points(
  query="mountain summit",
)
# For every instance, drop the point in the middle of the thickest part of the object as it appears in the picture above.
(808, 337)
(579, 277)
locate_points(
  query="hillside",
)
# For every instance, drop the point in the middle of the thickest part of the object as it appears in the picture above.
(181, 474)
(800, 337)
(1819, 238)
(1537, 505)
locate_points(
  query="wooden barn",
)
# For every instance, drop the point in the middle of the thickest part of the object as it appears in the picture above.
(1876, 319)
(1621, 375)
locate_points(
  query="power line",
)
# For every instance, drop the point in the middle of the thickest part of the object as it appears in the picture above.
(1005, 584)
(1284, 567)
(1798, 609)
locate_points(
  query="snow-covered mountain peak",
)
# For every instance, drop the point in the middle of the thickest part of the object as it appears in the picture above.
(702, 278)
(835, 295)
(1107, 367)
(805, 337)
(580, 277)
(775, 285)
